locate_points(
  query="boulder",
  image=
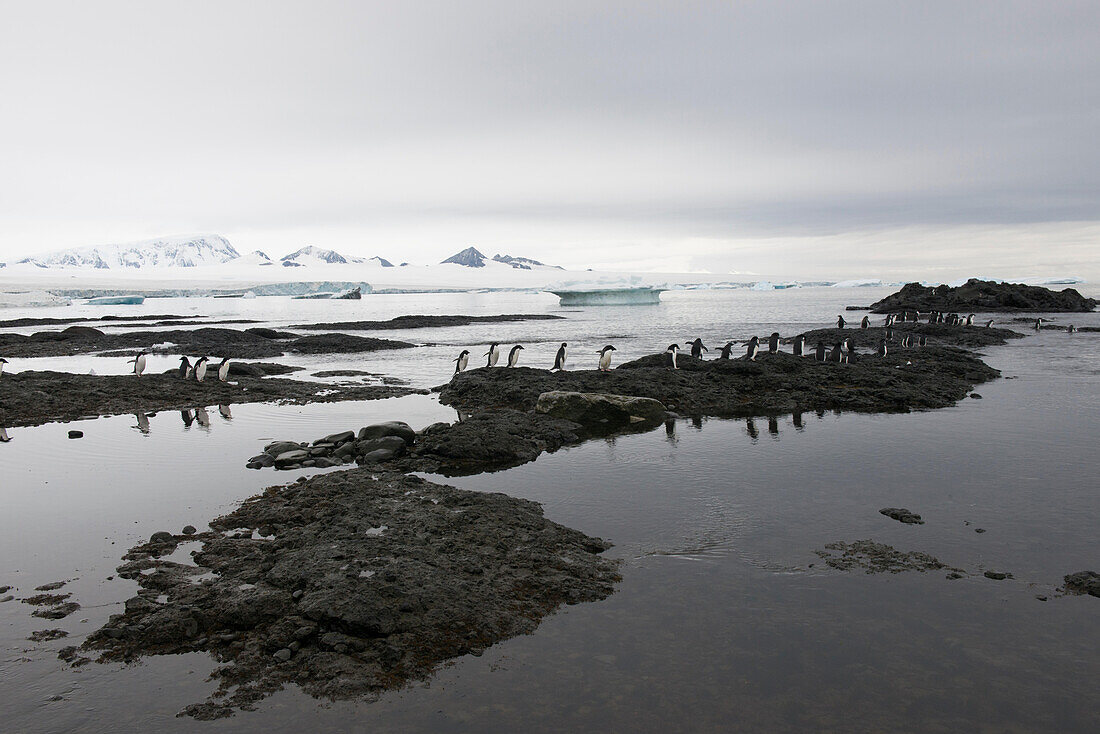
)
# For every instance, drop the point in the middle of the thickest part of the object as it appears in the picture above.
(390, 428)
(289, 458)
(599, 409)
(1083, 582)
(394, 444)
(281, 447)
(335, 438)
(376, 456)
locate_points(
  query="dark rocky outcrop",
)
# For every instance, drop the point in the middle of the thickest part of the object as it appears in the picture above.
(31, 398)
(937, 335)
(424, 322)
(343, 344)
(357, 584)
(902, 515)
(983, 296)
(1083, 582)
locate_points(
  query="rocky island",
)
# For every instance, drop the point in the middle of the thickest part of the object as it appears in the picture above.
(983, 296)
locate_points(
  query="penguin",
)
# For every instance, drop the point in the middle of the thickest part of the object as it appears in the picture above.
(671, 352)
(916, 315)
(697, 349)
(922, 341)
(905, 341)
(461, 360)
(848, 350)
(819, 352)
(970, 320)
(185, 368)
(1071, 329)
(513, 355)
(223, 370)
(559, 358)
(840, 322)
(889, 320)
(605, 358)
(800, 345)
(493, 354)
(989, 323)
(882, 348)
(1038, 324)
(931, 317)
(139, 363)
(865, 322)
(726, 350)
(753, 350)
(2, 363)
(835, 355)
(4, 437)
(889, 334)
(773, 343)
(200, 368)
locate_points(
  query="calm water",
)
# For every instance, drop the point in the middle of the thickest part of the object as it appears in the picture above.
(725, 620)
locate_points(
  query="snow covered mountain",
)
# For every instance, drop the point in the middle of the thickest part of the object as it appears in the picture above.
(311, 255)
(181, 252)
(471, 257)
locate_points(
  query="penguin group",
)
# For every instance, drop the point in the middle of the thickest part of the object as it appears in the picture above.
(186, 370)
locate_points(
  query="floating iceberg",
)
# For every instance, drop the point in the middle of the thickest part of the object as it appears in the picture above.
(116, 301)
(32, 299)
(609, 296)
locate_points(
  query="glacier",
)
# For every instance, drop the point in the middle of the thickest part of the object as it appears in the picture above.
(186, 251)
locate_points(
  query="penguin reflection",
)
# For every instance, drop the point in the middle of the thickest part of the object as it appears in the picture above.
(225, 412)
(670, 431)
(188, 418)
(796, 419)
(142, 422)
(202, 417)
(697, 422)
(773, 426)
(750, 426)
(4, 437)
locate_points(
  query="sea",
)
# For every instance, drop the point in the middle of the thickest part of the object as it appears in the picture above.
(726, 619)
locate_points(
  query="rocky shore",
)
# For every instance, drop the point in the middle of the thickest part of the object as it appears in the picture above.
(349, 584)
(983, 296)
(414, 321)
(32, 398)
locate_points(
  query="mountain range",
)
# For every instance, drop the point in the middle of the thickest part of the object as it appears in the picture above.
(204, 250)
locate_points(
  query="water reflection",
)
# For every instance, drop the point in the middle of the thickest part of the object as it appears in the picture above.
(142, 422)
(225, 412)
(750, 427)
(188, 418)
(4, 437)
(202, 417)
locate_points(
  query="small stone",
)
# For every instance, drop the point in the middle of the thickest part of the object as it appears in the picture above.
(979, 530)
(189, 530)
(298, 594)
(283, 654)
(954, 575)
(1040, 597)
(161, 536)
(335, 438)
(3, 599)
(995, 575)
(76, 434)
(902, 515)
(976, 396)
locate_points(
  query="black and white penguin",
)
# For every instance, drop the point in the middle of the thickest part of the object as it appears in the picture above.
(2, 363)
(461, 360)
(800, 345)
(671, 352)
(185, 368)
(139, 363)
(922, 341)
(865, 322)
(840, 321)
(931, 317)
(882, 348)
(605, 358)
(726, 351)
(493, 354)
(200, 368)
(1038, 324)
(848, 350)
(905, 341)
(837, 354)
(889, 334)
(819, 352)
(773, 343)
(697, 349)
(559, 358)
(989, 323)
(223, 370)
(889, 320)
(970, 320)
(513, 355)
(753, 349)
(1071, 329)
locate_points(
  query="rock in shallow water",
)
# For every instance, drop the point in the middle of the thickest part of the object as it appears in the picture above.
(592, 409)
(902, 515)
(390, 428)
(1083, 582)
(76, 434)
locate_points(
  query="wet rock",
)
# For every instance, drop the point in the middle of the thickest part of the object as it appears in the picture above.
(599, 409)
(983, 296)
(875, 557)
(52, 586)
(321, 449)
(997, 575)
(435, 428)
(975, 396)
(290, 458)
(343, 344)
(6, 598)
(902, 515)
(370, 583)
(58, 611)
(161, 536)
(324, 463)
(414, 321)
(1083, 582)
(376, 456)
(390, 428)
(336, 438)
(46, 635)
(189, 530)
(76, 434)
(281, 447)
(394, 444)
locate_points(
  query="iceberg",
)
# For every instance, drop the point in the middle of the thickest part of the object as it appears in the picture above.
(32, 299)
(610, 296)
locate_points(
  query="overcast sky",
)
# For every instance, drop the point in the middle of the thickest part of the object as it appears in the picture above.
(800, 139)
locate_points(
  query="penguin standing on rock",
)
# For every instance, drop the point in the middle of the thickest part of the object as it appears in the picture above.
(697, 349)
(753, 350)
(493, 354)
(989, 324)
(605, 358)
(773, 343)
(840, 321)
(671, 352)
(726, 350)
(800, 345)
(2, 363)
(1071, 329)
(922, 341)
(889, 334)
(970, 320)
(513, 355)
(837, 354)
(819, 352)
(223, 370)
(559, 358)
(200, 368)
(1038, 324)
(185, 368)
(882, 348)
(848, 350)
(462, 360)
(865, 322)
(139, 363)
